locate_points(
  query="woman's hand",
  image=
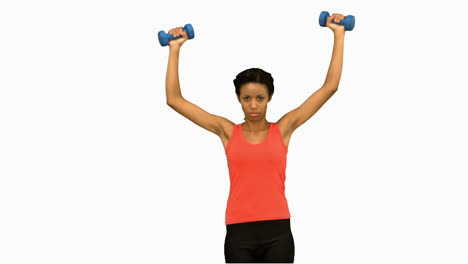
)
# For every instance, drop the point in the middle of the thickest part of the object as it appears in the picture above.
(335, 27)
(177, 43)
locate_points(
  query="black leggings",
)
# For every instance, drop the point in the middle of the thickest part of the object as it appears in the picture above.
(268, 241)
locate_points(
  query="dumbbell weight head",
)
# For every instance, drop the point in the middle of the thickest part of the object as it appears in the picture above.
(165, 38)
(348, 22)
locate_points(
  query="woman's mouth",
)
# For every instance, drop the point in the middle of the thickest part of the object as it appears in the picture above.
(254, 114)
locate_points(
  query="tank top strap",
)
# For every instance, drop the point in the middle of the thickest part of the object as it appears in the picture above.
(275, 130)
(236, 130)
(234, 139)
(277, 136)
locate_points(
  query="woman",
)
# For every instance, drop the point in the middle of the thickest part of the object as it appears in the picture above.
(257, 214)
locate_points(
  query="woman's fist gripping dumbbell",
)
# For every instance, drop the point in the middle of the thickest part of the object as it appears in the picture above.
(176, 36)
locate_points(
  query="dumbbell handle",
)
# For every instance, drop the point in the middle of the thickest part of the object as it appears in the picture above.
(348, 22)
(164, 37)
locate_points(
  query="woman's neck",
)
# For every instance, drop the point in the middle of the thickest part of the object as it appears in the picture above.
(256, 126)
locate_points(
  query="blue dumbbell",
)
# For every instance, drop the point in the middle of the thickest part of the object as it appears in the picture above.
(347, 22)
(164, 37)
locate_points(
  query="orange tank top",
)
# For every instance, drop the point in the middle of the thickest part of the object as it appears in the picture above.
(257, 174)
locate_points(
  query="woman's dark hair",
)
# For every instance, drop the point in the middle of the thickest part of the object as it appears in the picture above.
(254, 75)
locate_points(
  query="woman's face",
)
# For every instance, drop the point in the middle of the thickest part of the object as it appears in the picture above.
(254, 99)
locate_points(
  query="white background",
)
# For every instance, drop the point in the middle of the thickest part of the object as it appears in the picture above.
(96, 168)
